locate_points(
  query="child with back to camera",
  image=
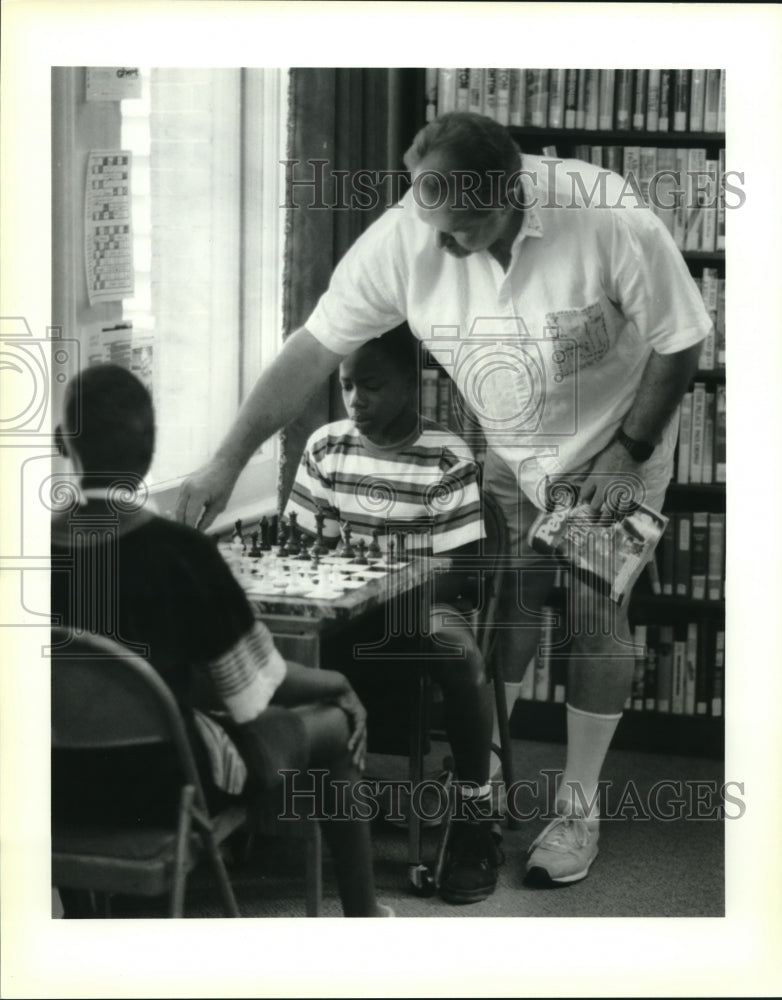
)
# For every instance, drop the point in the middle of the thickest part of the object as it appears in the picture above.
(173, 594)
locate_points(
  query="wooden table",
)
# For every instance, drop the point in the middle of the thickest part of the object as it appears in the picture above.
(299, 622)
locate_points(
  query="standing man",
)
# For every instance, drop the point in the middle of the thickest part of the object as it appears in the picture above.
(567, 318)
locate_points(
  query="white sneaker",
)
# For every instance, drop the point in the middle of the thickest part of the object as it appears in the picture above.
(563, 852)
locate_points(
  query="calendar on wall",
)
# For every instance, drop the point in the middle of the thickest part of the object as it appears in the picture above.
(107, 226)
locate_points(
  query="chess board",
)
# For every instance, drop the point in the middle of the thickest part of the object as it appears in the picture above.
(289, 576)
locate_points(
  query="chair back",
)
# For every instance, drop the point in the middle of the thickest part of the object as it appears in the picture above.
(104, 696)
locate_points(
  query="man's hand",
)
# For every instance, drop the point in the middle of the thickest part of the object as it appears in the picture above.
(614, 482)
(349, 702)
(205, 494)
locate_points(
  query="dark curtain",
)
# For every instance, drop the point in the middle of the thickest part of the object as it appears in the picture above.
(354, 119)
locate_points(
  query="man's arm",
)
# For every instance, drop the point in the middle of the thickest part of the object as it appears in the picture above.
(664, 382)
(278, 396)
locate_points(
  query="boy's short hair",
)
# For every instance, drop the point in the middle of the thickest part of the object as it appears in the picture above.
(110, 422)
(399, 346)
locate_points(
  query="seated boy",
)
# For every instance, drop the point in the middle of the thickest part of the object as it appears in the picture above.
(163, 589)
(383, 468)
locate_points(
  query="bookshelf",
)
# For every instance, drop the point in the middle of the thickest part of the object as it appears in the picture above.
(547, 113)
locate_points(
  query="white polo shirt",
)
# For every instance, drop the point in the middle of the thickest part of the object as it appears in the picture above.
(550, 353)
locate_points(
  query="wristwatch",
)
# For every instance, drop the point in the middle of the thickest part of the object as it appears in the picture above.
(639, 451)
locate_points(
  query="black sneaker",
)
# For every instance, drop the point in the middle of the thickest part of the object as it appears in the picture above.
(470, 873)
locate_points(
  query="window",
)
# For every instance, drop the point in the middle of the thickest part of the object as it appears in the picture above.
(208, 254)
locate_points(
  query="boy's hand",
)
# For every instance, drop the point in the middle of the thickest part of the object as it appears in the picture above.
(349, 702)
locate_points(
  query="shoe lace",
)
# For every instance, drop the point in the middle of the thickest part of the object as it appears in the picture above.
(564, 833)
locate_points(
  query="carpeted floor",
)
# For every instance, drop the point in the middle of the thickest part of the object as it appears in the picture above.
(648, 865)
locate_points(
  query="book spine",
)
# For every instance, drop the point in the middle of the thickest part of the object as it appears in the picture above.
(721, 106)
(429, 380)
(666, 86)
(556, 105)
(664, 668)
(592, 98)
(698, 424)
(639, 99)
(716, 557)
(430, 86)
(680, 211)
(612, 158)
(720, 330)
(648, 168)
(710, 207)
(679, 667)
(571, 97)
(581, 98)
(708, 356)
(503, 96)
(596, 155)
(515, 109)
(444, 399)
(653, 570)
(685, 436)
(720, 239)
(639, 669)
(711, 110)
(708, 440)
(631, 165)
(446, 91)
(650, 669)
(697, 99)
(606, 98)
(682, 555)
(490, 93)
(476, 92)
(704, 669)
(537, 94)
(667, 549)
(653, 100)
(624, 98)
(696, 168)
(681, 99)
(691, 668)
(718, 674)
(699, 555)
(462, 90)
(720, 436)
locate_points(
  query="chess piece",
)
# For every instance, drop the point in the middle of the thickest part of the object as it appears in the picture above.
(348, 551)
(265, 527)
(237, 538)
(361, 558)
(390, 552)
(400, 538)
(294, 536)
(374, 550)
(282, 538)
(319, 548)
(255, 552)
(304, 548)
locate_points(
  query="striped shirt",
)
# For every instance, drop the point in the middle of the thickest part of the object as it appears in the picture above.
(426, 487)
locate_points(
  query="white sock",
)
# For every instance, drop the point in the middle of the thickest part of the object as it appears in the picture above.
(589, 736)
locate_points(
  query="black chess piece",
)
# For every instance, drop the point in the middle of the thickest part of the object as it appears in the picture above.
(390, 553)
(237, 535)
(319, 548)
(304, 547)
(282, 538)
(400, 540)
(348, 551)
(266, 541)
(255, 551)
(361, 558)
(374, 551)
(294, 535)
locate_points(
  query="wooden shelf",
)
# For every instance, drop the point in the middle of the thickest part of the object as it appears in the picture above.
(626, 137)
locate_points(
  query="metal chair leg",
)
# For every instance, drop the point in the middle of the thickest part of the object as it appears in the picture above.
(506, 750)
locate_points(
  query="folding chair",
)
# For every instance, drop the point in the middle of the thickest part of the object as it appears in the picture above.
(105, 697)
